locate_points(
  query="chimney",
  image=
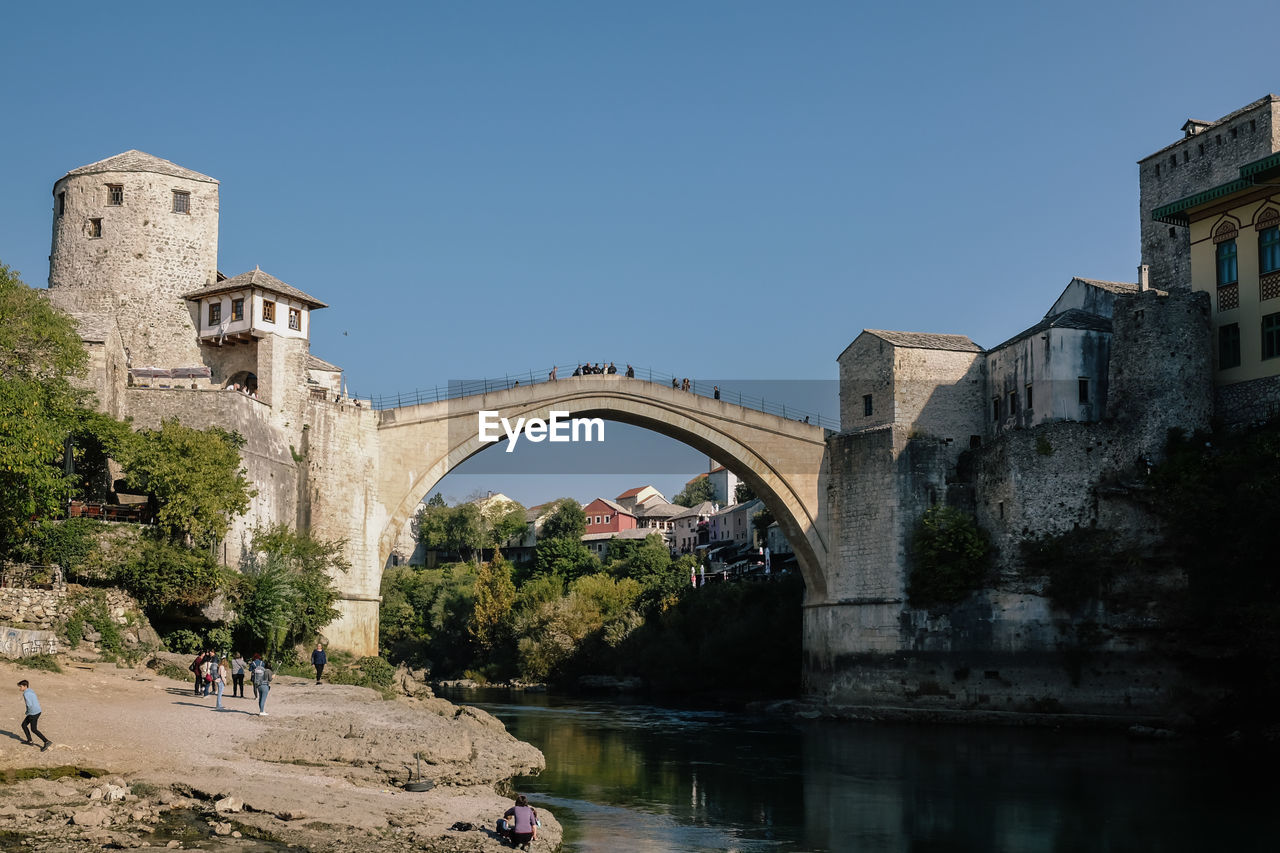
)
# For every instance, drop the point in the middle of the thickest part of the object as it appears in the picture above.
(1144, 273)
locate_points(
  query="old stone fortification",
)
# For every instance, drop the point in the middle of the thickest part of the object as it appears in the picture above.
(1008, 648)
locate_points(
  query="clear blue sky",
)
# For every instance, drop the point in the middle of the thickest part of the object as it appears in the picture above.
(715, 189)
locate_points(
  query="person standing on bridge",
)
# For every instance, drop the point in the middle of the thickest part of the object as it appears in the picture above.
(552, 375)
(717, 392)
(631, 372)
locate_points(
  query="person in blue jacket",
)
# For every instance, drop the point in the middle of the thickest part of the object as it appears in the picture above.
(318, 660)
(29, 724)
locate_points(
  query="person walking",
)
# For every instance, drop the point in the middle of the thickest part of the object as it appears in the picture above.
(197, 666)
(262, 683)
(237, 676)
(524, 821)
(221, 674)
(254, 666)
(30, 722)
(210, 672)
(318, 660)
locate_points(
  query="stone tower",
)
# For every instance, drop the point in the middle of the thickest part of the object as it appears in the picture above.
(131, 235)
(1209, 154)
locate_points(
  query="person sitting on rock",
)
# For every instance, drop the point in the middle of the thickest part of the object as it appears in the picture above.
(524, 823)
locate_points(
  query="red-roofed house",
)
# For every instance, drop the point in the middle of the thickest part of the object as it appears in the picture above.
(605, 516)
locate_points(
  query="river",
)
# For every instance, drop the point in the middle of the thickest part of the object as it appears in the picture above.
(628, 776)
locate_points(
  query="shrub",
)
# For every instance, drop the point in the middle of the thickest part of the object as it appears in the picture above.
(183, 641)
(949, 558)
(48, 663)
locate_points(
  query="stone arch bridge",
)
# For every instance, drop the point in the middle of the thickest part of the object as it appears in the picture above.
(372, 479)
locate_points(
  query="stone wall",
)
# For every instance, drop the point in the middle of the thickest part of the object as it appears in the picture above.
(267, 454)
(146, 258)
(36, 615)
(1252, 402)
(1193, 164)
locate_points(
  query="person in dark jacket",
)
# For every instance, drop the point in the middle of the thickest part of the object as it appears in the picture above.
(318, 660)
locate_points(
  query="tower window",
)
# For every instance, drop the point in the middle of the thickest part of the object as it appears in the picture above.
(1084, 390)
(215, 313)
(995, 409)
(1229, 346)
(62, 203)
(268, 312)
(1013, 403)
(115, 195)
(1028, 398)
(237, 309)
(866, 405)
(295, 319)
(95, 227)
(181, 201)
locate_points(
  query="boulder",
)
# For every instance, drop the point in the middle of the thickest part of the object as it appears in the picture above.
(228, 804)
(91, 817)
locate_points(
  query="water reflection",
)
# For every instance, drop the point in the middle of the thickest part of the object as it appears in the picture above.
(635, 777)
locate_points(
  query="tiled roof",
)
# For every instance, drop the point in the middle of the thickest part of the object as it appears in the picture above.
(926, 340)
(658, 509)
(1072, 318)
(633, 533)
(616, 507)
(256, 278)
(140, 161)
(631, 493)
(314, 363)
(1112, 286)
(704, 508)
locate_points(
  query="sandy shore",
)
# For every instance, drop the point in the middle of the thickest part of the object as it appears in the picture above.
(320, 771)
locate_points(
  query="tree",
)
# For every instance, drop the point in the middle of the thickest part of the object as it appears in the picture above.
(39, 351)
(161, 574)
(566, 521)
(36, 340)
(494, 596)
(194, 476)
(761, 521)
(696, 491)
(286, 594)
(949, 557)
(568, 558)
(742, 493)
(503, 521)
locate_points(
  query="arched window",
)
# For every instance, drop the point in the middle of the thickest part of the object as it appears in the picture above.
(1224, 236)
(1268, 227)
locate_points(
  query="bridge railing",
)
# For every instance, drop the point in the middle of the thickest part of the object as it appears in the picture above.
(467, 387)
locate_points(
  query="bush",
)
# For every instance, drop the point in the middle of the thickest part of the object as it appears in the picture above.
(48, 663)
(949, 558)
(184, 642)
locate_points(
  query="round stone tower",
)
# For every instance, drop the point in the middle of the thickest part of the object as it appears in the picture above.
(131, 235)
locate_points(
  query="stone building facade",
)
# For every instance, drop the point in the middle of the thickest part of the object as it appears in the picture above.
(1208, 154)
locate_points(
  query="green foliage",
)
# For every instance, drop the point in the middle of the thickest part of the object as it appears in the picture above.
(35, 420)
(695, 492)
(219, 639)
(373, 672)
(1081, 565)
(311, 564)
(183, 641)
(1043, 447)
(36, 340)
(425, 613)
(761, 521)
(66, 543)
(46, 663)
(458, 530)
(949, 558)
(566, 521)
(503, 521)
(566, 557)
(266, 597)
(596, 607)
(160, 573)
(90, 608)
(194, 476)
(494, 596)
(743, 493)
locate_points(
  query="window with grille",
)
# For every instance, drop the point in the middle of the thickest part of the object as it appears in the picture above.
(295, 319)
(181, 201)
(268, 312)
(215, 313)
(95, 227)
(115, 195)
(1226, 258)
(237, 309)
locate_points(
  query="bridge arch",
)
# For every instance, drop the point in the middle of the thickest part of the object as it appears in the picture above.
(783, 461)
